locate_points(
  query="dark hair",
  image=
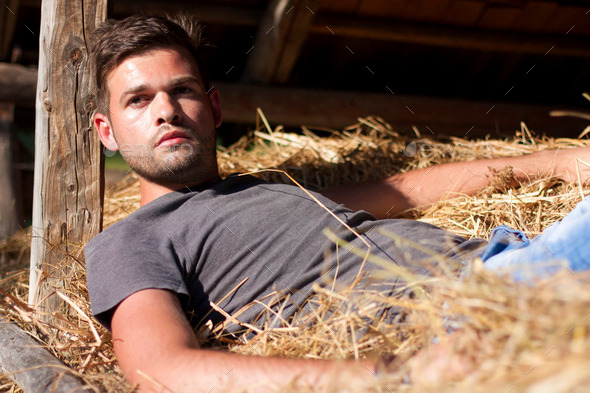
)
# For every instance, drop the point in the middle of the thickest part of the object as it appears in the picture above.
(115, 40)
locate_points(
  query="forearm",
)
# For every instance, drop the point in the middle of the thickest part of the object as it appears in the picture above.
(204, 370)
(157, 349)
(422, 187)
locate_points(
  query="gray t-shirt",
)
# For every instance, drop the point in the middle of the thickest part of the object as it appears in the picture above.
(203, 242)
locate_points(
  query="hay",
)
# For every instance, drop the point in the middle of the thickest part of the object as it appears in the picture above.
(513, 337)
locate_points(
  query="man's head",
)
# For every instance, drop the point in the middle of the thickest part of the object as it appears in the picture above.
(115, 40)
(158, 110)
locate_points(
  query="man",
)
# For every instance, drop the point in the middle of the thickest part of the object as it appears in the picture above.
(198, 240)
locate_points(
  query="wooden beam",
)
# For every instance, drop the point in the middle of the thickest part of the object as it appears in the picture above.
(17, 84)
(281, 34)
(294, 107)
(8, 212)
(452, 37)
(8, 15)
(432, 116)
(31, 366)
(295, 39)
(68, 185)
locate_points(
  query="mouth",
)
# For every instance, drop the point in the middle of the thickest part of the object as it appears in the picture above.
(172, 138)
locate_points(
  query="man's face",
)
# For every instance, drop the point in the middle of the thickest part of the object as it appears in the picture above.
(161, 119)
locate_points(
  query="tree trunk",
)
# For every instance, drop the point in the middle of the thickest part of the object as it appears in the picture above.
(68, 186)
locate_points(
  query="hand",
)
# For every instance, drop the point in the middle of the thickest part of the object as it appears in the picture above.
(443, 362)
(572, 165)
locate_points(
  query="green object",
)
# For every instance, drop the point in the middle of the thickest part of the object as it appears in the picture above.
(114, 161)
(27, 139)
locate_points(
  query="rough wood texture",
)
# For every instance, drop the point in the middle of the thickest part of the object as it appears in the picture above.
(281, 34)
(68, 189)
(8, 213)
(31, 366)
(17, 84)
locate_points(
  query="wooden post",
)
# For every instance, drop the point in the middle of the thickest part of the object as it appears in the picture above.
(69, 181)
(8, 214)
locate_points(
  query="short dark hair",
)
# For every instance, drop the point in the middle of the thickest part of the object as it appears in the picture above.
(116, 40)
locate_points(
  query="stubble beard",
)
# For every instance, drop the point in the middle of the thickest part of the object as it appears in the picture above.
(190, 163)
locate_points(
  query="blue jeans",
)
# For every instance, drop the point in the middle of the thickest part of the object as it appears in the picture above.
(565, 244)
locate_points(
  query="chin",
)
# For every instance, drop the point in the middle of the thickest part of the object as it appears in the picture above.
(179, 174)
(182, 164)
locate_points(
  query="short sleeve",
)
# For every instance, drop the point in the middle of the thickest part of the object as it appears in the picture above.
(128, 258)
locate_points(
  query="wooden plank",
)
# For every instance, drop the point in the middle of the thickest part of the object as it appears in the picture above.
(337, 109)
(411, 10)
(8, 212)
(17, 84)
(582, 24)
(8, 15)
(425, 10)
(432, 11)
(383, 8)
(453, 37)
(567, 16)
(223, 15)
(463, 13)
(347, 7)
(281, 34)
(295, 39)
(536, 15)
(499, 17)
(31, 366)
(68, 186)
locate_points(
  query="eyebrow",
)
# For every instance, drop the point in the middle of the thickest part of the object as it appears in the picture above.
(183, 79)
(179, 80)
(133, 90)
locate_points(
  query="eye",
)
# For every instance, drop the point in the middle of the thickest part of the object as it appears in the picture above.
(183, 90)
(137, 100)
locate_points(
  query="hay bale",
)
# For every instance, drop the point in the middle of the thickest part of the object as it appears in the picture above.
(511, 334)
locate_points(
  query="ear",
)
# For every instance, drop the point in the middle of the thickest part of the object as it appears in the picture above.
(105, 131)
(215, 99)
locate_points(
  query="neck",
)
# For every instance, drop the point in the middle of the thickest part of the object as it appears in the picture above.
(150, 190)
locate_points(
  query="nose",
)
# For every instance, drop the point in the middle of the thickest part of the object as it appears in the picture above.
(167, 109)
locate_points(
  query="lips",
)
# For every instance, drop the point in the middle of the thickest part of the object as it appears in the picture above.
(173, 137)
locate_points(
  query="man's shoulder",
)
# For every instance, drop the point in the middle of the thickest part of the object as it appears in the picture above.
(138, 224)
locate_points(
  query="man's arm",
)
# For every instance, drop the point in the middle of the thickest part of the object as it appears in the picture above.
(158, 350)
(422, 187)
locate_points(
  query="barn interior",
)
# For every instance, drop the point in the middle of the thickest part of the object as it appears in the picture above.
(477, 70)
(469, 68)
